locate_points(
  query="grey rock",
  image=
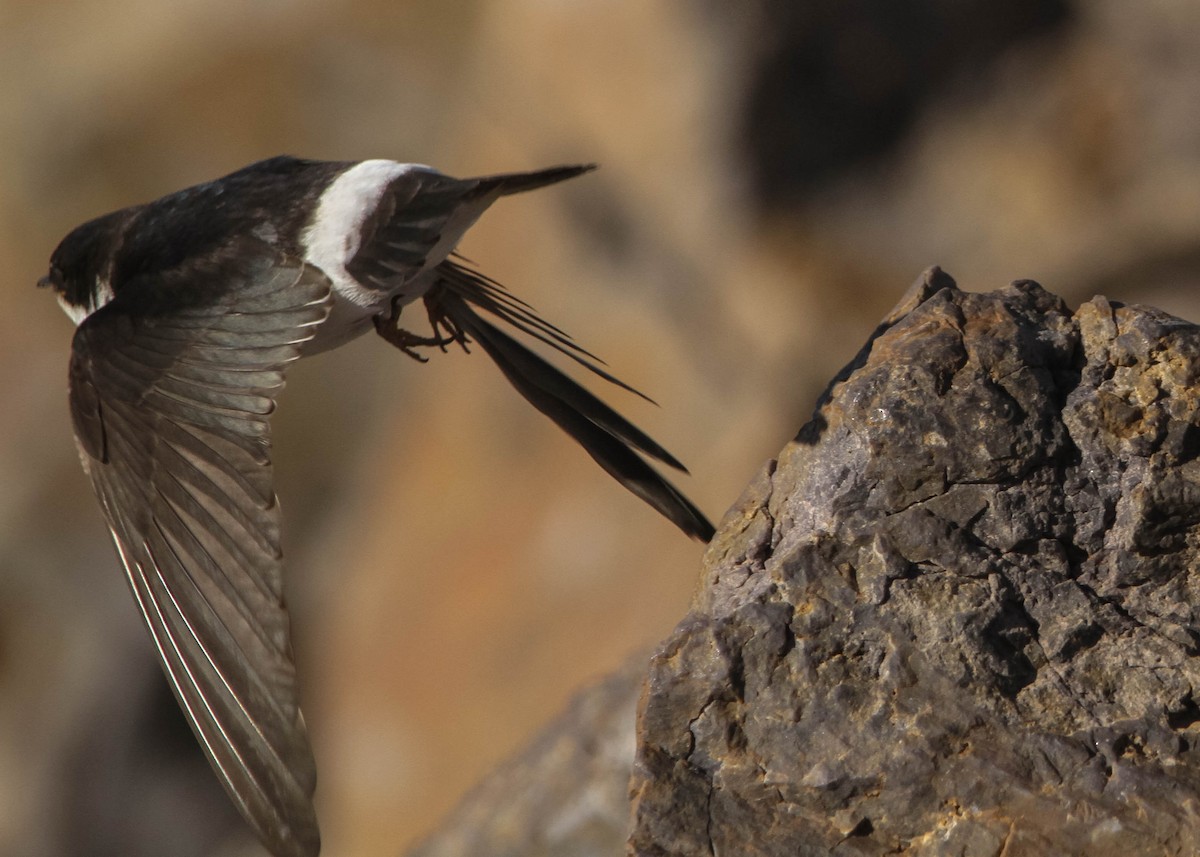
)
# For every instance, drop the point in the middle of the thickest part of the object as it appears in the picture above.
(958, 615)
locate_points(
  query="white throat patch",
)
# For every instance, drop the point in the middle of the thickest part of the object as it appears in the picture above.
(101, 295)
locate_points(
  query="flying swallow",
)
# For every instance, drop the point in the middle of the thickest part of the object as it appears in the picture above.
(189, 310)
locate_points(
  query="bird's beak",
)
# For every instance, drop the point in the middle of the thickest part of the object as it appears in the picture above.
(45, 282)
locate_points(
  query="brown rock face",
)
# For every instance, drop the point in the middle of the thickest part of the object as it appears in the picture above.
(958, 615)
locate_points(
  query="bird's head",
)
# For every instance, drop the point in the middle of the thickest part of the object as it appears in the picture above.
(81, 266)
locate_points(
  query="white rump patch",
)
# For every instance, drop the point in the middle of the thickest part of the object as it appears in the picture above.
(332, 238)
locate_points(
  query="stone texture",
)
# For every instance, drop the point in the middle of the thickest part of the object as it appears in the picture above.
(957, 616)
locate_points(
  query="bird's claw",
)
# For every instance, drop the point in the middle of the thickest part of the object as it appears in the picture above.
(388, 327)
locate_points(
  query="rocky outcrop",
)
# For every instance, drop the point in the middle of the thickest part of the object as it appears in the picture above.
(959, 614)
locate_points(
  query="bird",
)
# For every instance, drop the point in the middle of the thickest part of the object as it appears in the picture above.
(189, 310)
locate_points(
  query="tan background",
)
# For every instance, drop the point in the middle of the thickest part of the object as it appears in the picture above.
(456, 566)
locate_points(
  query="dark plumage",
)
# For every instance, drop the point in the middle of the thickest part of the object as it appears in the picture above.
(189, 310)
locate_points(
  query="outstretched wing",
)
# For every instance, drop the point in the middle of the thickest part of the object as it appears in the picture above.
(171, 416)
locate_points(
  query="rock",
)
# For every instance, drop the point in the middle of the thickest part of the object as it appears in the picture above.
(954, 618)
(958, 615)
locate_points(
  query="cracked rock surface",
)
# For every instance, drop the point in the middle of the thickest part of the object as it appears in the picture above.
(958, 615)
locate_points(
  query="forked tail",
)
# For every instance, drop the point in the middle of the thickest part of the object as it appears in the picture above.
(608, 437)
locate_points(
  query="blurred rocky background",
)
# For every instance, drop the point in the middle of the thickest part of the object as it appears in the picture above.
(773, 175)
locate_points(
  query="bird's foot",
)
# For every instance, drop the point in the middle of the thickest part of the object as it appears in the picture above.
(439, 321)
(388, 327)
(406, 340)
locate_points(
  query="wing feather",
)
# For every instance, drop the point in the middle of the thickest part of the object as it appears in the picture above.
(171, 413)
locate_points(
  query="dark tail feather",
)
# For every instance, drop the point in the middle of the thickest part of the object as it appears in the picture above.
(607, 436)
(485, 293)
(521, 182)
